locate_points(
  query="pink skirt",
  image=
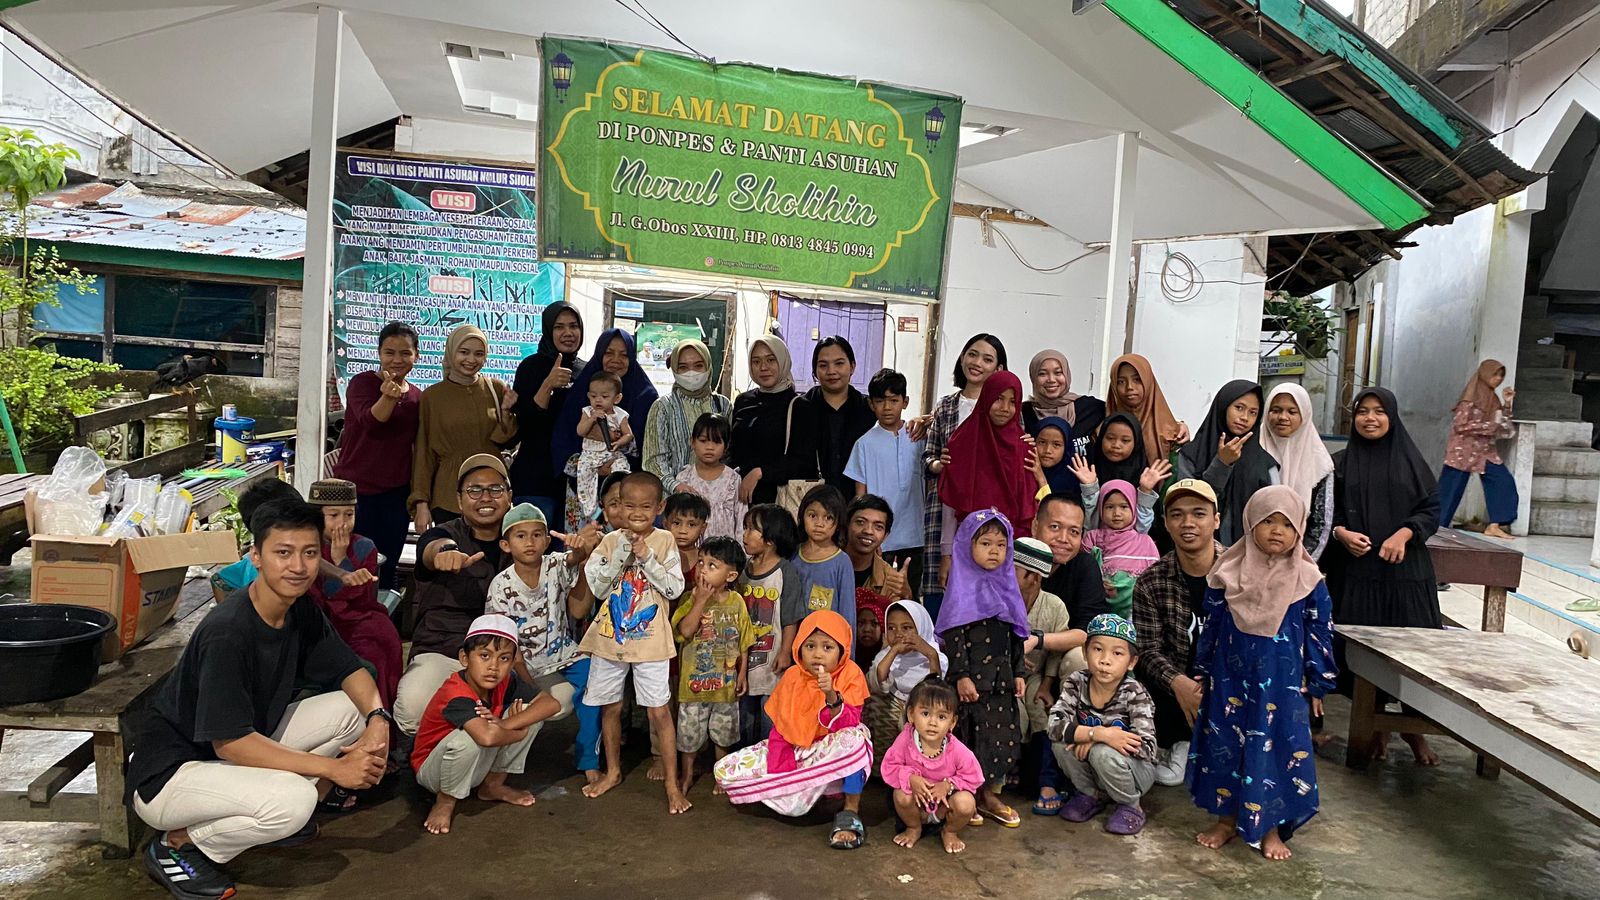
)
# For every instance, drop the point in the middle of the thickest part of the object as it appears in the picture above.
(823, 766)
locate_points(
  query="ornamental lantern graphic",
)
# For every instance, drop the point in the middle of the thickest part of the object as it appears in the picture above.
(561, 75)
(933, 127)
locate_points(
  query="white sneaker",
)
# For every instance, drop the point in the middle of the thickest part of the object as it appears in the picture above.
(1170, 767)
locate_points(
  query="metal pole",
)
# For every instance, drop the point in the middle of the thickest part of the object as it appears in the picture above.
(11, 438)
(1120, 249)
(311, 422)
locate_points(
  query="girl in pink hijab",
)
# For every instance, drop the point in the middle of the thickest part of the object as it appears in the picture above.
(1124, 552)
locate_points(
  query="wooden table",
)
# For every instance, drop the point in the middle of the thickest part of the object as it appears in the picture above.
(1463, 558)
(103, 711)
(1517, 700)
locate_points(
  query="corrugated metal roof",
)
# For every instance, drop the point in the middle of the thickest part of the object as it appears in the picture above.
(125, 216)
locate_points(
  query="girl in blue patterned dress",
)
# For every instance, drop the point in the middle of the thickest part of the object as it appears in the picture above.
(1264, 660)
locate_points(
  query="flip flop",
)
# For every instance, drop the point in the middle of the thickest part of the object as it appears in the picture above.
(1587, 604)
(1010, 821)
(1047, 806)
(845, 820)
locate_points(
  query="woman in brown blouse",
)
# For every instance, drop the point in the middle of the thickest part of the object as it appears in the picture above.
(463, 414)
(1481, 417)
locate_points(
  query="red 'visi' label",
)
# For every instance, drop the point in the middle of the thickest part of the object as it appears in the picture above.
(456, 201)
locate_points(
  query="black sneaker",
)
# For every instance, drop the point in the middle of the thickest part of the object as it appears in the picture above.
(305, 835)
(186, 872)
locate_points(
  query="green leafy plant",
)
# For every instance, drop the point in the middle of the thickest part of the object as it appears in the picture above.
(42, 389)
(1313, 326)
(229, 517)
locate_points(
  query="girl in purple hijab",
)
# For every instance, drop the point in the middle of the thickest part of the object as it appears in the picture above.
(983, 623)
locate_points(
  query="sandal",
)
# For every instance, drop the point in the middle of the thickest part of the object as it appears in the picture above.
(339, 802)
(1082, 808)
(845, 820)
(1125, 820)
(1587, 604)
(1008, 817)
(1047, 806)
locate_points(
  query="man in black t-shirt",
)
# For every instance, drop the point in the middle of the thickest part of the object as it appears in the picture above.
(224, 761)
(1076, 576)
(1168, 607)
(455, 563)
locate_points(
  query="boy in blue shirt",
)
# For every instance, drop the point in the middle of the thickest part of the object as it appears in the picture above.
(888, 463)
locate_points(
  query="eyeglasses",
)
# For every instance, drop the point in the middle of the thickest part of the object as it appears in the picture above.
(477, 491)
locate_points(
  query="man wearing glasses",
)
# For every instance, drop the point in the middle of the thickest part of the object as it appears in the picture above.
(456, 562)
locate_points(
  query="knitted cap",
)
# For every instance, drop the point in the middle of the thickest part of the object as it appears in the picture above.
(1113, 625)
(332, 492)
(1033, 554)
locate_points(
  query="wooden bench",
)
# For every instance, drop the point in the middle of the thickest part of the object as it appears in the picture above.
(1463, 558)
(1520, 702)
(13, 517)
(103, 710)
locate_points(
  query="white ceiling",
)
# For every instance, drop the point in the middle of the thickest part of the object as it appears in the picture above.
(234, 81)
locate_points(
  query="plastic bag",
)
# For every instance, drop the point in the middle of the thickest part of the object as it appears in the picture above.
(172, 510)
(136, 520)
(64, 503)
(116, 480)
(140, 492)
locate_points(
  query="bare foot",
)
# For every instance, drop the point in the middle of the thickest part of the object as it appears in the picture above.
(504, 793)
(1419, 748)
(1273, 847)
(657, 771)
(438, 821)
(952, 841)
(677, 803)
(717, 791)
(590, 776)
(909, 837)
(606, 783)
(1495, 531)
(1379, 748)
(1217, 835)
(686, 782)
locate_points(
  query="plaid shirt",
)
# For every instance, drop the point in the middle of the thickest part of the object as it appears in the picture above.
(1164, 620)
(945, 413)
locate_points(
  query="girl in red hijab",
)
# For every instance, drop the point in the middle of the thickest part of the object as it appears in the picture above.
(988, 457)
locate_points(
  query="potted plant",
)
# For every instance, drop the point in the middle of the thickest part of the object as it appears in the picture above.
(1312, 325)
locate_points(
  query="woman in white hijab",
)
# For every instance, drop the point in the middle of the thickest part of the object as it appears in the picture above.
(1303, 461)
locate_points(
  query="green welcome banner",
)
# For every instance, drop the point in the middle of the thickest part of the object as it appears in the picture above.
(660, 159)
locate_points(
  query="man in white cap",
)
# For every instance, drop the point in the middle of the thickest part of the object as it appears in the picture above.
(479, 725)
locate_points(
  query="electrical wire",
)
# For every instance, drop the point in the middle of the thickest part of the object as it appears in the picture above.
(153, 151)
(1052, 270)
(642, 13)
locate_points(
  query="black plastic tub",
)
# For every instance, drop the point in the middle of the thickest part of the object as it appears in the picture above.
(49, 650)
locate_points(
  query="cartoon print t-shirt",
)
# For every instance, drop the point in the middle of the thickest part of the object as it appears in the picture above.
(773, 599)
(632, 610)
(708, 666)
(544, 630)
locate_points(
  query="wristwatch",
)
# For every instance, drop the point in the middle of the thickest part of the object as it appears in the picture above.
(382, 713)
(448, 547)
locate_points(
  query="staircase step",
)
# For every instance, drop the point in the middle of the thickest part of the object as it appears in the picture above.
(1561, 434)
(1565, 489)
(1571, 462)
(1540, 378)
(1542, 355)
(1535, 306)
(1549, 405)
(1569, 519)
(1535, 327)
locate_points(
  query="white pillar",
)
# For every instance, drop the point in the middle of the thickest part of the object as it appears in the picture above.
(1114, 326)
(311, 413)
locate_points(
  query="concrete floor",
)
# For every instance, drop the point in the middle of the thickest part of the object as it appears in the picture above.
(1395, 830)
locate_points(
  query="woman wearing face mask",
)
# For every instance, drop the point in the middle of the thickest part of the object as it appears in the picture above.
(1053, 396)
(981, 356)
(541, 384)
(666, 435)
(463, 414)
(772, 440)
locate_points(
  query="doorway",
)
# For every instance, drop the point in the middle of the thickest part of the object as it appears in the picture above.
(805, 322)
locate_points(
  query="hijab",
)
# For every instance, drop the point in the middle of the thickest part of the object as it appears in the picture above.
(1129, 469)
(976, 593)
(638, 395)
(1303, 461)
(796, 703)
(459, 336)
(1061, 404)
(1260, 588)
(1125, 543)
(546, 357)
(1480, 393)
(909, 669)
(1161, 428)
(1381, 482)
(699, 347)
(1059, 476)
(987, 462)
(779, 349)
(1251, 472)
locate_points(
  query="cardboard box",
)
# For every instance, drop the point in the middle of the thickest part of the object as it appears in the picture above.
(136, 580)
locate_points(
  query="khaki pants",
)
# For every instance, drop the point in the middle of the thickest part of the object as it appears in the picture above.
(423, 675)
(457, 764)
(228, 809)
